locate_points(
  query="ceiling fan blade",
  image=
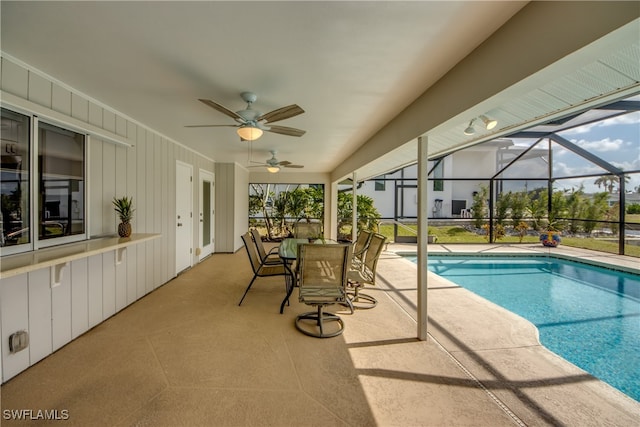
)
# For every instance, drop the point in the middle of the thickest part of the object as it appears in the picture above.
(222, 109)
(284, 130)
(281, 113)
(210, 126)
(294, 166)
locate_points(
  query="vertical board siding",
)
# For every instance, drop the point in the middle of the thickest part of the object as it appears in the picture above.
(40, 344)
(14, 311)
(95, 180)
(95, 288)
(39, 90)
(79, 108)
(109, 222)
(61, 100)
(94, 282)
(14, 79)
(108, 284)
(79, 297)
(61, 310)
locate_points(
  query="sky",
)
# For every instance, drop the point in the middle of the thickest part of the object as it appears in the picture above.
(615, 140)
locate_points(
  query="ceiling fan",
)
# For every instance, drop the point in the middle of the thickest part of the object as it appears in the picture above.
(273, 165)
(251, 123)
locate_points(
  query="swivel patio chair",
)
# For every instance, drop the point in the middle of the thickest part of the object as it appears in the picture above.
(270, 257)
(366, 274)
(322, 278)
(307, 230)
(360, 248)
(260, 269)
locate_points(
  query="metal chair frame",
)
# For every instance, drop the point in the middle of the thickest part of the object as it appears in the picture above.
(260, 269)
(366, 274)
(322, 280)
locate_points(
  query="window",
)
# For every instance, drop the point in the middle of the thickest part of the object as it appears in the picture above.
(438, 174)
(15, 183)
(61, 180)
(42, 183)
(380, 185)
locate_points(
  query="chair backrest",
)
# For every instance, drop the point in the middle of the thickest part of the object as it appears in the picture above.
(361, 243)
(251, 251)
(257, 239)
(324, 267)
(372, 255)
(307, 230)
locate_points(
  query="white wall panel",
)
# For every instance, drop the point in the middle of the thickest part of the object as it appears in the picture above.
(157, 212)
(14, 79)
(95, 114)
(121, 126)
(132, 275)
(79, 297)
(40, 344)
(108, 284)
(61, 310)
(61, 100)
(14, 310)
(109, 120)
(95, 290)
(95, 187)
(121, 281)
(39, 90)
(110, 219)
(141, 280)
(79, 107)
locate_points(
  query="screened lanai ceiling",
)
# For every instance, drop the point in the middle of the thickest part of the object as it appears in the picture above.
(610, 71)
(354, 67)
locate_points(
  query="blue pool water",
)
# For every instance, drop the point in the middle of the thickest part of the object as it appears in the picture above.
(586, 314)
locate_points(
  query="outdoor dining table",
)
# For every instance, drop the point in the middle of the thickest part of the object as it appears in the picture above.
(288, 252)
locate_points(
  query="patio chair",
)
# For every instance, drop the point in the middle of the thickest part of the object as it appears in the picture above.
(270, 257)
(322, 278)
(260, 269)
(359, 248)
(307, 230)
(366, 275)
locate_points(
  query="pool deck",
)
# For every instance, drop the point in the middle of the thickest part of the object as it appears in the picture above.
(500, 349)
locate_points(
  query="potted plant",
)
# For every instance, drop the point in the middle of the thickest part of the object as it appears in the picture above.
(124, 208)
(551, 237)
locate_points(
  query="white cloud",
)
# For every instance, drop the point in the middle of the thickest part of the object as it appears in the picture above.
(602, 145)
(625, 119)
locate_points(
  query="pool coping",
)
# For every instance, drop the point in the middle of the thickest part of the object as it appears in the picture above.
(500, 348)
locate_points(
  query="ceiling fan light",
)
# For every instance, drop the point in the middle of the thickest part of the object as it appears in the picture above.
(273, 169)
(249, 133)
(488, 123)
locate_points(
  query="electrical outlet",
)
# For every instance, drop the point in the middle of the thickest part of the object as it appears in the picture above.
(18, 341)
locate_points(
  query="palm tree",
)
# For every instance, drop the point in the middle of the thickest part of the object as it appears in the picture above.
(609, 181)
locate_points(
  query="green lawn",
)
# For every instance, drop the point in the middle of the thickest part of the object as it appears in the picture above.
(454, 234)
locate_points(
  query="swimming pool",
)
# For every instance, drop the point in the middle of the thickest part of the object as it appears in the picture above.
(587, 314)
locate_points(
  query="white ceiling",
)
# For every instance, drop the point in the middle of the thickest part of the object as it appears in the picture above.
(353, 66)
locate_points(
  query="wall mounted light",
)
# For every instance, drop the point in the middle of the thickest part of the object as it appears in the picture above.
(249, 133)
(470, 130)
(488, 123)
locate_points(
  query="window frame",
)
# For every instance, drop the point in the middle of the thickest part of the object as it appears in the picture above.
(35, 242)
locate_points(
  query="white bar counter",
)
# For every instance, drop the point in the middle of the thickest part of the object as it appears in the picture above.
(13, 265)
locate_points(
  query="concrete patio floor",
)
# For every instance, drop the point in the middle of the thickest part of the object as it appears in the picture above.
(186, 354)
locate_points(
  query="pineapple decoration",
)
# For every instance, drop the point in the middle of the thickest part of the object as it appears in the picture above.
(124, 208)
